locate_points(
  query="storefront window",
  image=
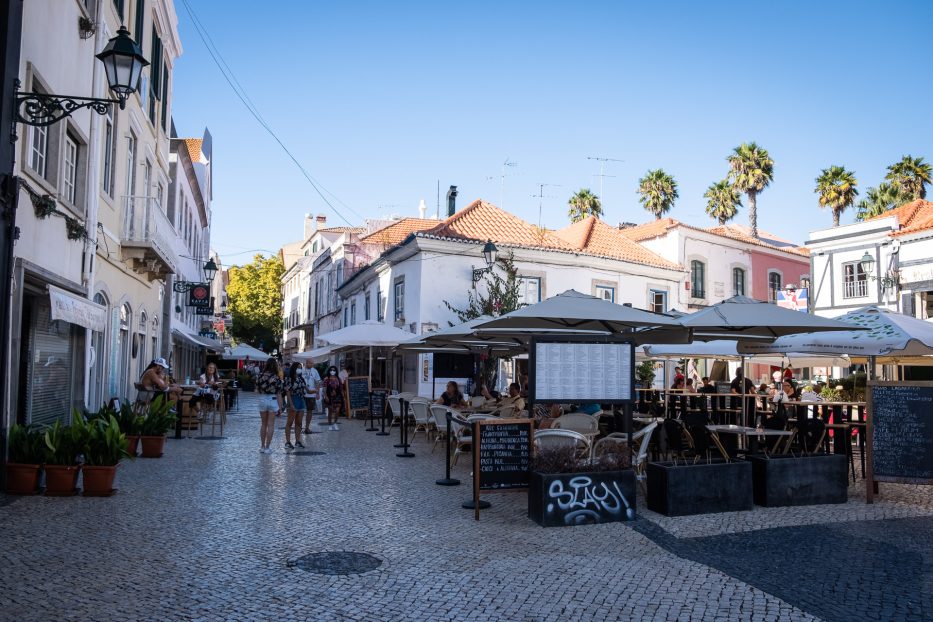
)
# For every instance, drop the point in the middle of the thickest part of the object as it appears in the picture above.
(123, 351)
(98, 368)
(49, 380)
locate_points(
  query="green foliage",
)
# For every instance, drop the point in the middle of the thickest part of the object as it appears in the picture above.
(910, 176)
(751, 169)
(658, 192)
(254, 296)
(63, 443)
(27, 444)
(837, 189)
(502, 293)
(557, 460)
(128, 421)
(583, 204)
(644, 374)
(722, 201)
(105, 444)
(159, 420)
(245, 381)
(879, 200)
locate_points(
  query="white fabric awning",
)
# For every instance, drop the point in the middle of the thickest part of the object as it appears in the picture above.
(317, 355)
(72, 308)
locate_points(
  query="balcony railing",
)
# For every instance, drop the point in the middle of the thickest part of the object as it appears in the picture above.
(855, 289)
(147, 236)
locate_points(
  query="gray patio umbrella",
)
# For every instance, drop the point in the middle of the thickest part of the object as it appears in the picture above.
(574, 313)
(743, 318)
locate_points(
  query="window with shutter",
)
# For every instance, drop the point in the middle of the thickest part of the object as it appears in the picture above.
(140, 21)
(49, 373)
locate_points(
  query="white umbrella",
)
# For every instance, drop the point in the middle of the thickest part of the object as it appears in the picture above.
(726, 349)
(317, 355)
(367, 334)
(884, 335)
(743, 318)
(245, 351)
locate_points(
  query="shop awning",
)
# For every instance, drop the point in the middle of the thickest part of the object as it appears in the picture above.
(198, 341)
(76, 310)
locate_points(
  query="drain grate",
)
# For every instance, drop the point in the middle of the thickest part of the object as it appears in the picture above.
(337, 563)
(307, 453)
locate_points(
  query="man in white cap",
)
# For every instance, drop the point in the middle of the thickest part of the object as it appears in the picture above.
(154, 379)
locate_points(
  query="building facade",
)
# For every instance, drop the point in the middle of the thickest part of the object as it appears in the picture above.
(87, 306)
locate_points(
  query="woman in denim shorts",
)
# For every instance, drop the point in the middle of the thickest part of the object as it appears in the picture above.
(295, 389)
(269, 386)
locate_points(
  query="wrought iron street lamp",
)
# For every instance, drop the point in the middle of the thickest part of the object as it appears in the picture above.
(867, 264)
(210, 270)
(123, 63)
(489, 255)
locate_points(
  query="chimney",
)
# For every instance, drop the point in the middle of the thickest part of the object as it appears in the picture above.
(320, 222)
(422, 208)
(451, 201)
(309, 226)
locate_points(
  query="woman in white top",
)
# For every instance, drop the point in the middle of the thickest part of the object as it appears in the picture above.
(209, 391)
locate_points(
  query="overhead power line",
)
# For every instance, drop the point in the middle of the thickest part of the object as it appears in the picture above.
(242, 95)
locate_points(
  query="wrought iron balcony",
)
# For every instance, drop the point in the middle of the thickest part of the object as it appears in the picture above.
(146, 241)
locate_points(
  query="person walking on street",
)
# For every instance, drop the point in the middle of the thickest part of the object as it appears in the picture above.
(295, 389)
(313, 397)
(269, 387)
(333, 397)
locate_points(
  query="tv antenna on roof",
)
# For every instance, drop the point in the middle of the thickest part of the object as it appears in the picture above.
(602, 167)
(541, 196)
(505, 166)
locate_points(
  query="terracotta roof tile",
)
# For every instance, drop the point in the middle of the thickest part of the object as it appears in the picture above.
(194, 148)
(650, 229)
(396, 232)
(342, 229)
(593, 236)
(656, 228)
(481, 221)
(912, 217)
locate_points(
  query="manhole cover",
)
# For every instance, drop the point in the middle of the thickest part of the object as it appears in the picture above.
(337, 563)
(209, 438)
(307, 453)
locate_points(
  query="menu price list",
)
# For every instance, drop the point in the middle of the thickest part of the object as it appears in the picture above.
(504, 455)
(902, 435)
(583, 371)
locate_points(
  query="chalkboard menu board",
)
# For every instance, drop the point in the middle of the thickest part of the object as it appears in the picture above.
(502, 456)
(357, 393)
(377, 403)
(900, 432)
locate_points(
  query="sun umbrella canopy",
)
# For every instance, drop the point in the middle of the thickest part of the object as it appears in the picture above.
(741, 317)
(882, 333)
(317, 355)
(727, 349)
(245, 351)
(369, 333)
(573, 312)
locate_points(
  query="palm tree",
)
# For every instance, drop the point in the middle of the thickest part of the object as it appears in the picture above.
(837, 189)
(751, 170)
(911, 175)
(879, 200)
(658, 191)
(723, 201)
(582, 204)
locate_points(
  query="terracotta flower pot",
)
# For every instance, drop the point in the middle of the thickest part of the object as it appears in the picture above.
(152, 446)
(61, 480)
(22, 479)
(132, 442)
(98, 480)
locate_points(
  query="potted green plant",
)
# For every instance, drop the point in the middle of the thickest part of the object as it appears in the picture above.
(154, 426)
(27, 451)
(63, 444)
(104, 447)
(564, 490)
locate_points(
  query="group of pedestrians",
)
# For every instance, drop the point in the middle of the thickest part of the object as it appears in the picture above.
(295, 390)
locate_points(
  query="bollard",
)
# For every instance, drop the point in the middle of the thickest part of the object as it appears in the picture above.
(404, 433)
(372, 427)
(447, 480)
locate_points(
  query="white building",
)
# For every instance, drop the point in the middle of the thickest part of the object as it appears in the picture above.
(107, 177)
(189, 211)
(408, 285)
(900, 243)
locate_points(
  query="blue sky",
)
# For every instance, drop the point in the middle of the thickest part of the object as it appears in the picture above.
(381, 100)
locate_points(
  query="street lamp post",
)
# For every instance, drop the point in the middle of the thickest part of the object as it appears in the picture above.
(489, 256)
(210, 270)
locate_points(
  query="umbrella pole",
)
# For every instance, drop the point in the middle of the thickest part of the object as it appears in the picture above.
(370, 365)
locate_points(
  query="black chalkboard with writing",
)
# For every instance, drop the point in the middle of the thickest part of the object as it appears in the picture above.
(358, 392)
(502, 458)
(377, 403)
(902, 431)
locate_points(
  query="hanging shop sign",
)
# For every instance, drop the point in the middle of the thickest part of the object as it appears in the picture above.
(200, 296)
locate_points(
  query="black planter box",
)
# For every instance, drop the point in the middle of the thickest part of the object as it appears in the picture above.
(807, 480)
(701, 488)
(587, 498)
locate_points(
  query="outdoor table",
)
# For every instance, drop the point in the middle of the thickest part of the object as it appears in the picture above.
(841, 412)
(749, 434)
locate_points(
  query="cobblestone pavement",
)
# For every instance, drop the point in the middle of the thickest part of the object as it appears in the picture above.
(217, 531)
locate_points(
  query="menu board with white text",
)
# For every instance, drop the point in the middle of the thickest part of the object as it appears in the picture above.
(578, 372)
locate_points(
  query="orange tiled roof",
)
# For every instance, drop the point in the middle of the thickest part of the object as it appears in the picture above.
(194, 148)
(650, 229)
(912, 217)
(739, 233)
(593, 236)
(398, 231)
(342, 229)
(481, 221)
